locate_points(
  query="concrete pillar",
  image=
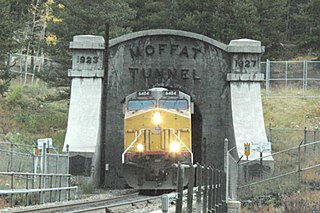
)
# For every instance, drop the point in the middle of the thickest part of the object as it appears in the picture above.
(246, 104)
(83, 131)
(245, 63)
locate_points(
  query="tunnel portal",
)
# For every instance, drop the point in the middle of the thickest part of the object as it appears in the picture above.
(197, 65)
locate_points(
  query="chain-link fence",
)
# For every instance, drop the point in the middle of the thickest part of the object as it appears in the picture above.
(26, 158)
(291, 78)
(293, 168)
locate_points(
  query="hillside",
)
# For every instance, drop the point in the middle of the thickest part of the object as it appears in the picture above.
(34, 111)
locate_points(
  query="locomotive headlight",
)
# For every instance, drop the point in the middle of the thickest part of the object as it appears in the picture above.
(174, 147)
(157, 118)
(140, 147)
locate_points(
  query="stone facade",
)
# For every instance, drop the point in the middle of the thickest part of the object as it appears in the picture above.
(173, 59)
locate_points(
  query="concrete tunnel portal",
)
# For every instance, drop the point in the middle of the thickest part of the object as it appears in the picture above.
(218, 77)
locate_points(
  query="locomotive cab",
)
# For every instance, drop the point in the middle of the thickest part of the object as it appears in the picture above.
(157, 135)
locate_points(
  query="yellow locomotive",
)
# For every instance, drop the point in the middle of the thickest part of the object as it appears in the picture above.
(157, 134)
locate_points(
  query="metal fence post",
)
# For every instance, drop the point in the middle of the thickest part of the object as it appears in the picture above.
(210, 189)
(267, 78)
(11, 157)
(305, 78)
(40, 187)
(50, 193)
(270, 133)
(69, 191)
(224, 190)
(44, 170)
(286, 77)
(226, 165)
(27, 187)
(299, 164)
(199, 185)
(44, 158)
(60, 177)
(190, 188)
(180, 188)
(314, 138)
(68, 159)
(205, 190)
(11, 195)
(57, 157)
(305, 138)
(219, 191)
(215, 191)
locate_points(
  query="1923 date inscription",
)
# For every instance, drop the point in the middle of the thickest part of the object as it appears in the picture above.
(87, 59)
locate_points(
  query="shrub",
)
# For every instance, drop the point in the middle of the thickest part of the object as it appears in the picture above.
(15, 98)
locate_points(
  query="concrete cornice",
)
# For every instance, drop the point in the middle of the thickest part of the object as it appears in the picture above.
(245, 46)
(168, 32)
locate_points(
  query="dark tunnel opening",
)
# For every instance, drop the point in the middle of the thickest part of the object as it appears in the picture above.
(196, 126)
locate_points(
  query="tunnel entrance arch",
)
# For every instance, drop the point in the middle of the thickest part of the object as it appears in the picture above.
(192, 63)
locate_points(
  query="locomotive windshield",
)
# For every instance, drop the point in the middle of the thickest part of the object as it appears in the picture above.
(174, 104)
(141, 104)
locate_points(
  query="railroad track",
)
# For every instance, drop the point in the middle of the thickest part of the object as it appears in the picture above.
(101, 205)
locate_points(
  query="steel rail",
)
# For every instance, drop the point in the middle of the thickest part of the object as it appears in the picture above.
(119, 204)
(76, 204)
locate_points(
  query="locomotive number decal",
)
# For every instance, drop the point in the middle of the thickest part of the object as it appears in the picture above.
(170, 93)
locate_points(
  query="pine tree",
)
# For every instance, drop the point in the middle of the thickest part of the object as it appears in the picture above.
(307, 29)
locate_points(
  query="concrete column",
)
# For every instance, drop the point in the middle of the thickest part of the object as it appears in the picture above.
(245, 63)
(246, 104)
(83, 131)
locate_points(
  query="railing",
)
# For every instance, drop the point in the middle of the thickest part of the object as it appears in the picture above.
(37, 185)
(210, 190)
(27, 178)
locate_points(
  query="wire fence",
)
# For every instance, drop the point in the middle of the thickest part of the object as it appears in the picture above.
(19, 188)
(293, 168)
(291, 78)
(28, 176)
(26, 158)
(282, 138)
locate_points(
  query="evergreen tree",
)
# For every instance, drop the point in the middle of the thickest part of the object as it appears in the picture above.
(307, 29)
(154, 14)
(88, 17)
(8, 27)
(272, 24)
